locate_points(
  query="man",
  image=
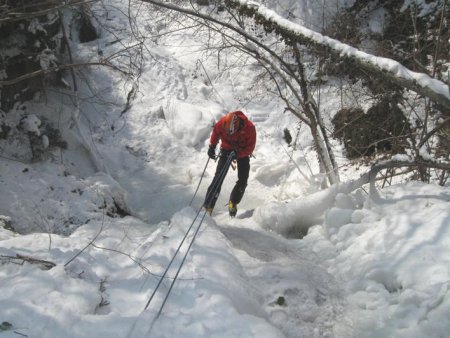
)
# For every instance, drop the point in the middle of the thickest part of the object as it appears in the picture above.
(238, 138)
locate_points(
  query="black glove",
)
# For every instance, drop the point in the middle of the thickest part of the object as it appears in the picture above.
(212, 152)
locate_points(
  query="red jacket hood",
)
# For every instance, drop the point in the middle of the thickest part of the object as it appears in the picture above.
(242, 142)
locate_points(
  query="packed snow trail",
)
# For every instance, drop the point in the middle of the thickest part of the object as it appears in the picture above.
(300, 297)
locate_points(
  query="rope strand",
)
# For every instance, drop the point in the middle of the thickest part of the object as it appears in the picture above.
(198, 186)
(222, 173)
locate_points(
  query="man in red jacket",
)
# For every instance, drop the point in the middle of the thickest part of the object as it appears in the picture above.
(238, 139)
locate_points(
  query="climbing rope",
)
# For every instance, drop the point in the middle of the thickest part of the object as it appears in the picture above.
(171, 261)
(181, 264)
(217, 182)
(214, 190)
(198, 186)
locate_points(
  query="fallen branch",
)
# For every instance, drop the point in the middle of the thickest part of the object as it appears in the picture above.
(54, 69)
(21, 259)
(371, 175)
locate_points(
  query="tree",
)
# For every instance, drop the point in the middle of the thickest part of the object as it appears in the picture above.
(38, 36)
(288, 76)
(416, 35)
(230, 19)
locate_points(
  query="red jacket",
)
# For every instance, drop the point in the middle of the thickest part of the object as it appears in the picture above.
(243, 141)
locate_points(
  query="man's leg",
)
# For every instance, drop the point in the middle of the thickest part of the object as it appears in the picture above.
(243, 170)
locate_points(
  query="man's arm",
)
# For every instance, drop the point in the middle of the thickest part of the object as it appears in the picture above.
(250, 144)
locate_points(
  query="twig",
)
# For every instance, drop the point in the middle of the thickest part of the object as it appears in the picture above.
(91, 242)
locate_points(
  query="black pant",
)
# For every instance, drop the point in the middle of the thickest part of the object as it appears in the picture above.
(243, 170)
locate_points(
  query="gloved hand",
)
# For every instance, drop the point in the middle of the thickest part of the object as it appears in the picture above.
(212, 152)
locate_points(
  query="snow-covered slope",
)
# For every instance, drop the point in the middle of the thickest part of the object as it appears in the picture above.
(363, 269)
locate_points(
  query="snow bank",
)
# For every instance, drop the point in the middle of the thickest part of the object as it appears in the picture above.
(391, 258)
(188, 123)
(100, 290)
(213, 296)
(293, 218)
(393, 261)
(47, 198)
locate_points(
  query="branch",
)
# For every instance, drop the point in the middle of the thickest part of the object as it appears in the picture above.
(54, 69)
(371, 175)
(434, 131)
(272, 69)
(223, 24)
(246, 48)
(43, 265)
(135, 260)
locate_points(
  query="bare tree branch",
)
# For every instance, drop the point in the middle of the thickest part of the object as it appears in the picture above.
(30, 11)
(434, 131)
(371, 175)
(21, 259)
(56, 69)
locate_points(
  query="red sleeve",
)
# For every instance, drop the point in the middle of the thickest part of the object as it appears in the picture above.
(216, 133)
(250, 142)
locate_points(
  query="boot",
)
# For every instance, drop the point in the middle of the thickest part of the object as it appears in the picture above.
(232, 209)
(209, 210)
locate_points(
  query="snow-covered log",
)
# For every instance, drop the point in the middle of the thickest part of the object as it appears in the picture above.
(421, 83)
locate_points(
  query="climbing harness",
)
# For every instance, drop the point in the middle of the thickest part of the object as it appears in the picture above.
(234, 164)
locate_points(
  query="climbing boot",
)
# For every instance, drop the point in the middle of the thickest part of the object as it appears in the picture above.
(209, 210)
(232, 209)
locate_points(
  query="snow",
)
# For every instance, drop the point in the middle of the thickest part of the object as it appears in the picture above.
(424, 6)
(36, 26)
(295, 262)
(388, 65)
(391, 260)
(31, 124)
(187, 122)
(377, 20)
(47, 59)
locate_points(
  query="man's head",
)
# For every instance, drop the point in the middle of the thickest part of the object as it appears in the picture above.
(232, 123)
